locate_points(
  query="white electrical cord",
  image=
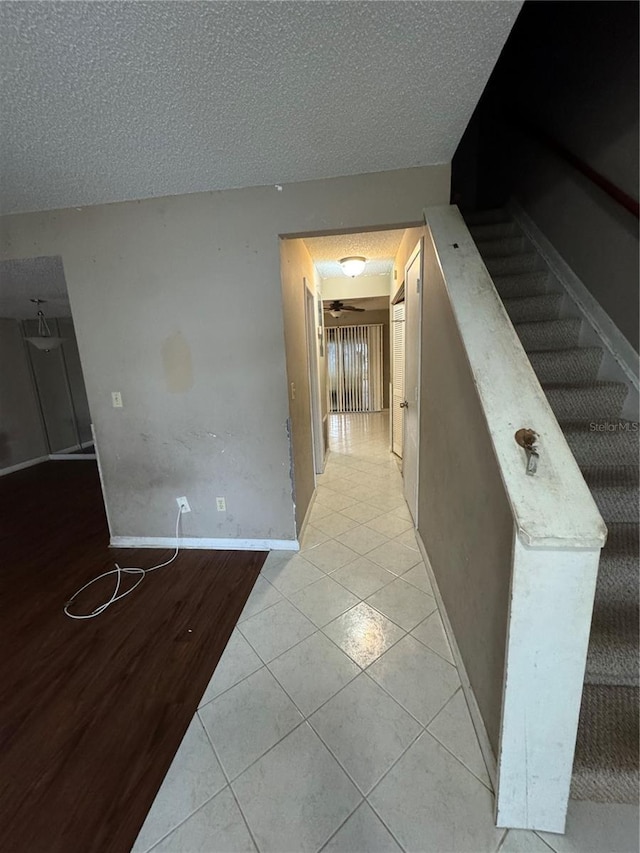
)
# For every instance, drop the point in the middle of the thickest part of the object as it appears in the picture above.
(119, 572)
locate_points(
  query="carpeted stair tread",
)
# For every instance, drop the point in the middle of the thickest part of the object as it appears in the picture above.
(493, 230)
(615, 491)
(549, 334)
(619, 570)
(613, 643)
(607, 442)
(523, 309)
(578, 364)
(504, 245)
(534, 283)
(507, 264)
(589, 401)
(606, 760)
(606, 449)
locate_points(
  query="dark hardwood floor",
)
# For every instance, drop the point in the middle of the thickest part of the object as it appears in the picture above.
(92, 712)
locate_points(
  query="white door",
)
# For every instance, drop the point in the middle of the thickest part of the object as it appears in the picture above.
(397, 381)
(413, 305)
(314, 380)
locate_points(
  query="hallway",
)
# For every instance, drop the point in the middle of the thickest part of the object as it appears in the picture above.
(335, 720)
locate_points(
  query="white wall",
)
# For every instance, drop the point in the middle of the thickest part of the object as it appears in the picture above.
(360, 287)
(177, 305)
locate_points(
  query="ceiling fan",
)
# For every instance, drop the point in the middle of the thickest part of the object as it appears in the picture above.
(337, 307)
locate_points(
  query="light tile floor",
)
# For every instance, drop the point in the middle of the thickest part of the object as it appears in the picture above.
(335, 720)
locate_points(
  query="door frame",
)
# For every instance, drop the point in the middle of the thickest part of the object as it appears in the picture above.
(418, 252)
(313, 368)
(398, 300)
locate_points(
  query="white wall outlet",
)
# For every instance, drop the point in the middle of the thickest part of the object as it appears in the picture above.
(183, 503)
(116, 399)
(221, 504)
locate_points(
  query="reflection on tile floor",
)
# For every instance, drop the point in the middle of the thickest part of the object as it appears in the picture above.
(335, 720)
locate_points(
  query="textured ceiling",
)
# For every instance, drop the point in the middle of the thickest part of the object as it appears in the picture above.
(33, 278)
(106, 101)
(378, 247)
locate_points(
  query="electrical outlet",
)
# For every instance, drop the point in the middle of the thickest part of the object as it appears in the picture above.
(116, 399)
(221, 504)
(183, 503)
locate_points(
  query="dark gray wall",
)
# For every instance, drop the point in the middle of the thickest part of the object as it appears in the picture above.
(21, 435)
(568, 73)
(596, 237)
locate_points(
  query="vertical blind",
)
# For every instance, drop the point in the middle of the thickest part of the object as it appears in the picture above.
(354, 368)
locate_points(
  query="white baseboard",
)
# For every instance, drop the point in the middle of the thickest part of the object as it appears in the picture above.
(204, 544)
(28, 464)
(467, 689)
(610, 335)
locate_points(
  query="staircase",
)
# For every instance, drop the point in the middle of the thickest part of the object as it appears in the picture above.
(606, 760)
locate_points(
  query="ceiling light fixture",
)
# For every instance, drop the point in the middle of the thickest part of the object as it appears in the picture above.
(44, 340)
(353, 265)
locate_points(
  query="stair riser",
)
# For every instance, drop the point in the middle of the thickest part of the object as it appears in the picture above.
(523, 284)
(614, 449)
(618, 503)
(533, 309)
(604, 670)
(559, 334)
(605, 767)
(566, 366)
(612, 656)
(510, 264)
(503, 246)
(580, 405)
(489, 217)
(617, 580)
(494, 230)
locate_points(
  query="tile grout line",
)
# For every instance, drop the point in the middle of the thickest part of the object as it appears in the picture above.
(306, 718)
(502, 841)
(364, 802)
(445, 747)
(183, 821)
(544, 840)
(423, 727)
(320, 629)
(375, 785)
(202, 805)
(226, 776)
